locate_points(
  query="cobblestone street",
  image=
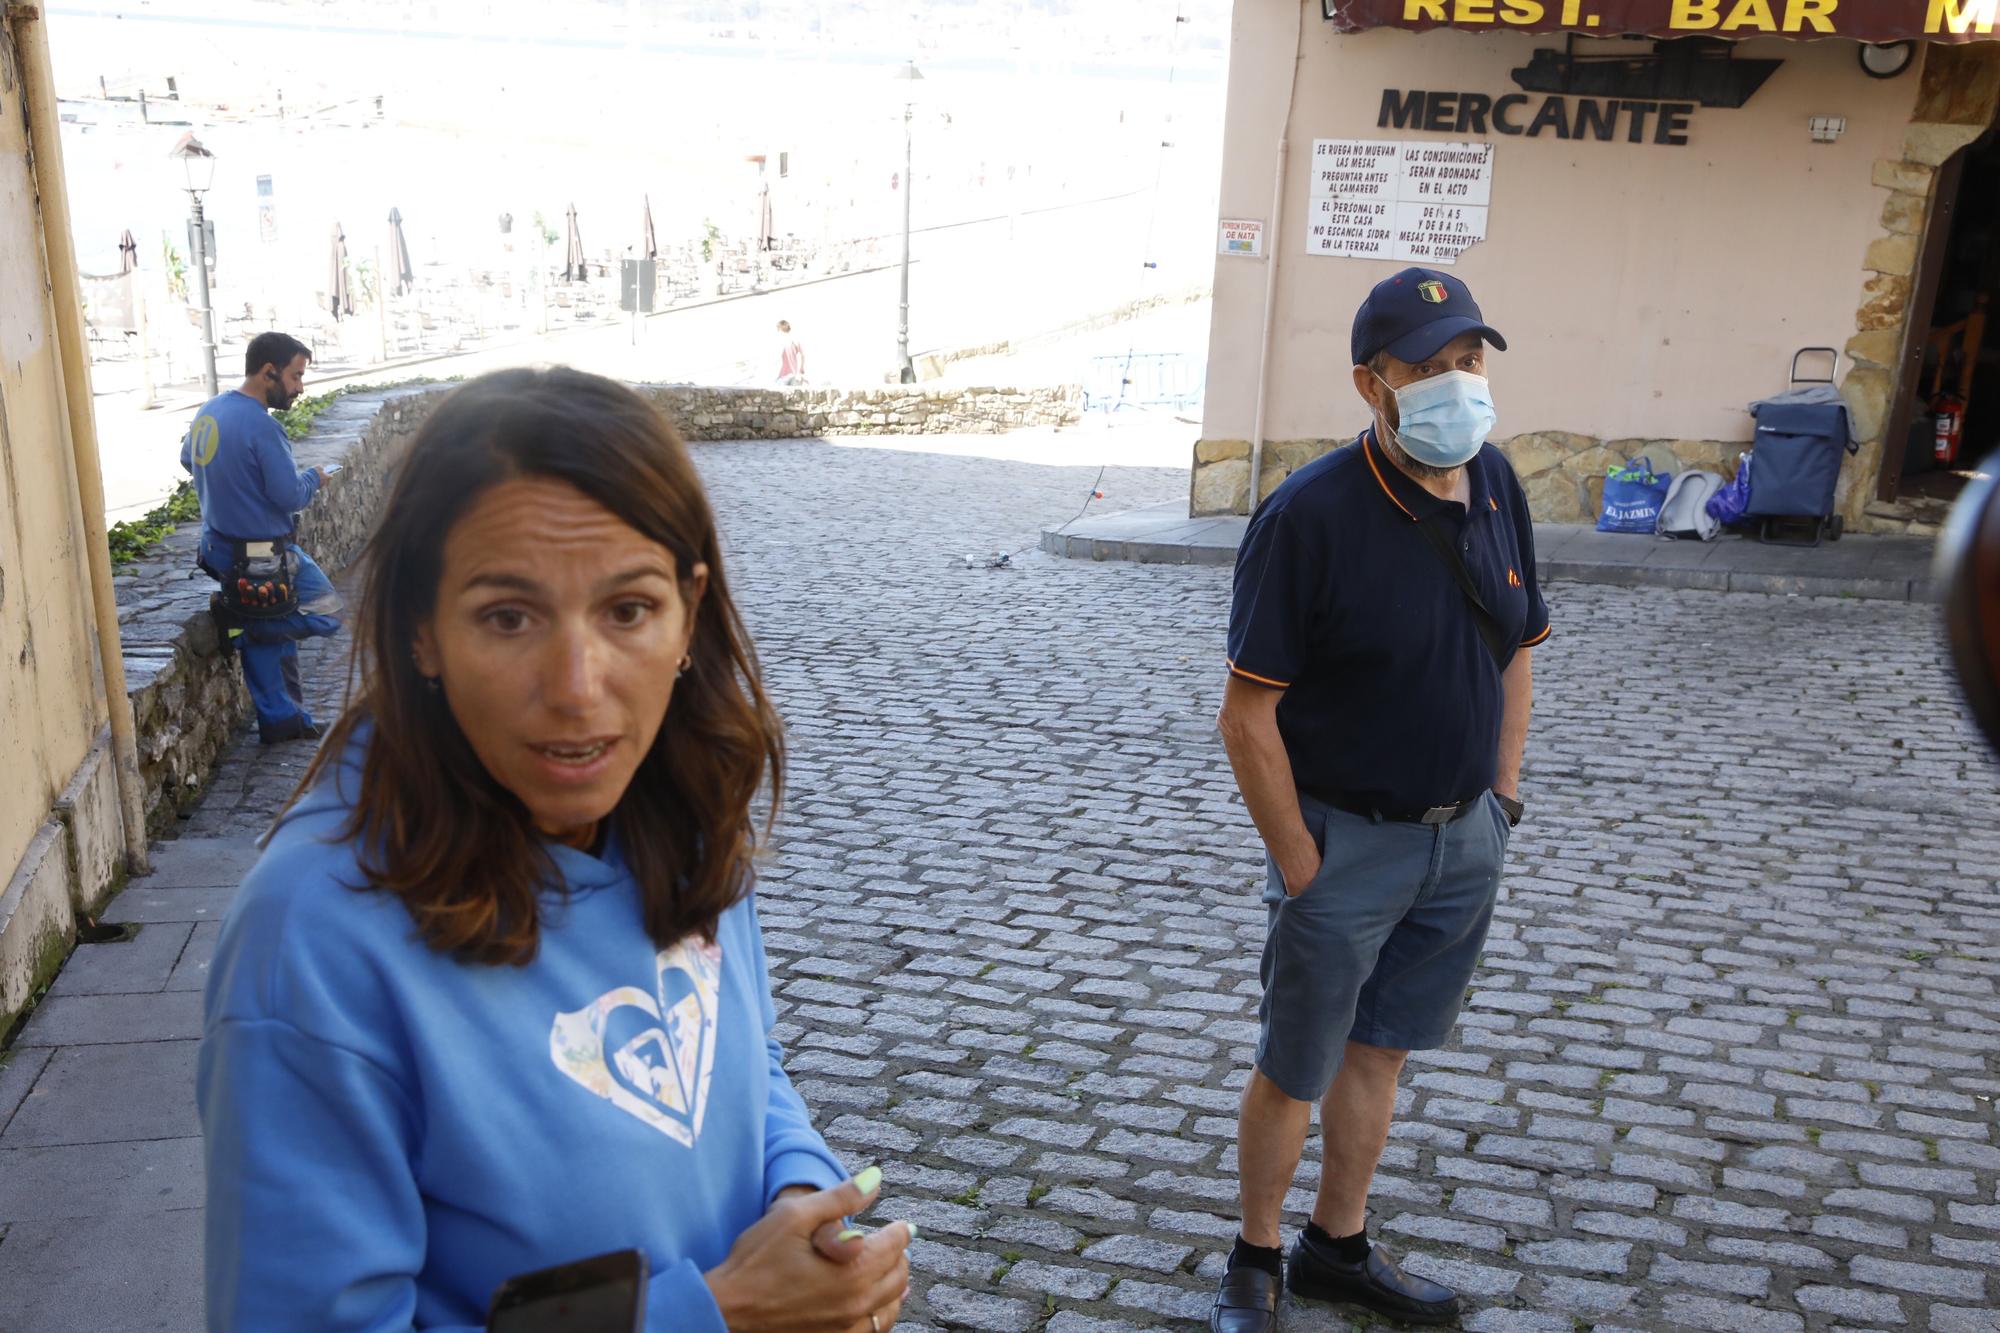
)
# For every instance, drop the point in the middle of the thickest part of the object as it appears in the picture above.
(1729, 1062)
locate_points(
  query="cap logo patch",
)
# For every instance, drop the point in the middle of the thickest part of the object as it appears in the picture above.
(1432, 290)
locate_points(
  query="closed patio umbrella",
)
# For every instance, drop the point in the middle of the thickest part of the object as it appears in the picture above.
(340, 297)
(128, 250)
(573, 267)
(650, 249)
(401, 276)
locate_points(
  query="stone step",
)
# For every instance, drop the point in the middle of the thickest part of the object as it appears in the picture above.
(113, 1020)
(125, 1092)
(122, 1273)
(199, 863)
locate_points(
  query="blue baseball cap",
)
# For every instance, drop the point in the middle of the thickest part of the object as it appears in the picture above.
(1414, 313)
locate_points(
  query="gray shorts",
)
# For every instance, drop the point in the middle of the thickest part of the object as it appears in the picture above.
(1378, 948)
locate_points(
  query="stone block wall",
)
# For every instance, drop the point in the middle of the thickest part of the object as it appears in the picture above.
(1563, 474)
(709, 413)
(188, 700)
(1957, 101)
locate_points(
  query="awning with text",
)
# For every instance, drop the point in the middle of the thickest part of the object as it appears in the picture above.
(1863, 20)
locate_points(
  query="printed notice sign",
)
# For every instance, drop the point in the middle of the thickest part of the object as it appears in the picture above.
(1242, 236)
(1419, 202)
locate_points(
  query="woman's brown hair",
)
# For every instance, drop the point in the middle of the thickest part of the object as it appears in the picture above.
(430, 824)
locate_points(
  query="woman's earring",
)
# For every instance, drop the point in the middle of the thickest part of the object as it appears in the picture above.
(687, 664)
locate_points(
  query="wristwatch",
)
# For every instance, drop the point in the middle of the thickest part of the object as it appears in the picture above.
(1513, 808)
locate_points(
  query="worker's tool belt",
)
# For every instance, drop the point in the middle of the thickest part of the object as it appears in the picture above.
(262, 581)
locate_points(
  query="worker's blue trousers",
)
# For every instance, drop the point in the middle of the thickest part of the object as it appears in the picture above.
(270, 648)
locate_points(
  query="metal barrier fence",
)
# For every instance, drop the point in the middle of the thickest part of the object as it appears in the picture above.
(1145, 379)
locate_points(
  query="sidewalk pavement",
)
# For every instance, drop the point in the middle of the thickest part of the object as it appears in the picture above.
(1894, 569)
(100, 1156)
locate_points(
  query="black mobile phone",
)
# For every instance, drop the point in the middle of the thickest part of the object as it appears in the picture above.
(602, 1294)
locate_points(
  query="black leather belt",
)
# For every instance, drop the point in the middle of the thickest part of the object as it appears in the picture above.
(1437, 814)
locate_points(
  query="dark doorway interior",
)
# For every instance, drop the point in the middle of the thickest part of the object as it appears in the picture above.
(1955, 350)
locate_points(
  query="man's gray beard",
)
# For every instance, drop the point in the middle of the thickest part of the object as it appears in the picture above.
(1407, 463)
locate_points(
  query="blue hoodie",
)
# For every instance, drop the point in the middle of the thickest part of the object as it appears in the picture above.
(244, 473)
(392, 1133)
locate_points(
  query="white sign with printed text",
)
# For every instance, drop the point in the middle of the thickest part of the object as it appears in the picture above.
(1411, 201)
(1241, 236)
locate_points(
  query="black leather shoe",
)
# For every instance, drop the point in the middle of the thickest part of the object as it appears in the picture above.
(1246, 1302)
(296, 729)
(1376, 1282)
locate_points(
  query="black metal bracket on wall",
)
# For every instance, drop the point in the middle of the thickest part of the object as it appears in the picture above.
(1702, 70)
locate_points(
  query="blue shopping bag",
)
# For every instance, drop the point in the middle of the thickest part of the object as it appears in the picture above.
(1732, 502)
(1633, 495)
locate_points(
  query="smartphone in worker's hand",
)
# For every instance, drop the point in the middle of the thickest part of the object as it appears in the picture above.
(602, 1294)
(330, 469)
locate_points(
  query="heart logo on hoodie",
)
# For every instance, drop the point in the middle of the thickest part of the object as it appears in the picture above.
(650, 1055)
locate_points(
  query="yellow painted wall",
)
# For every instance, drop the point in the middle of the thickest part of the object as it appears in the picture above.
(50, 696)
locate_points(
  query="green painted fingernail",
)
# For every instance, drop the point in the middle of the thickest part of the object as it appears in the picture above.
(852, 1233)
(913, 1229)
(869, 1180)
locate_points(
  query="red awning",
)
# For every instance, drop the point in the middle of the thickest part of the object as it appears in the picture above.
(1863, 20)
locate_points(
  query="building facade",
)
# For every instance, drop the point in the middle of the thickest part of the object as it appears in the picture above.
(1659, 219)
(62, 844)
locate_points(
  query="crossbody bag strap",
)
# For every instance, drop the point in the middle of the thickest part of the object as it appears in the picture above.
(1490, 632)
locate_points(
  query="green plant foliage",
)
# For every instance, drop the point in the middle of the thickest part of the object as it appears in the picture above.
(134, 537)
(299, 417)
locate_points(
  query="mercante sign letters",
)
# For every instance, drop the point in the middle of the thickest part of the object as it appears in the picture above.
(1563, 118)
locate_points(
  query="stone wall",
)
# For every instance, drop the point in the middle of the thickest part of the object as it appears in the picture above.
(706, 413)
(1957, 101)
(188, 700)
(1563, 474)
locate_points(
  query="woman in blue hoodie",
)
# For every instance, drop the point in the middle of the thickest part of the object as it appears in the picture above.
(495, 998)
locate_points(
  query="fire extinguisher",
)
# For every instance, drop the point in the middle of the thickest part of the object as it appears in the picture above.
(1950, 412)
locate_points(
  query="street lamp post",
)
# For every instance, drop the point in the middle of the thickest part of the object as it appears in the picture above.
(907, 370)
(199, 165)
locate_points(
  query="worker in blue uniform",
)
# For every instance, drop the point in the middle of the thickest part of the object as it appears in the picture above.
(251, 490)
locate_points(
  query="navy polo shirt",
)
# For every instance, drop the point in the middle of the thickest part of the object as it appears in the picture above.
(1391, 697)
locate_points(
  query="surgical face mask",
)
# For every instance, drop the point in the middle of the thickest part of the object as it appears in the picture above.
(1442, 421)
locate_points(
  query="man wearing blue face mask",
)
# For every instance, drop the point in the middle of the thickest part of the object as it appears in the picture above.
(1375, 713)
